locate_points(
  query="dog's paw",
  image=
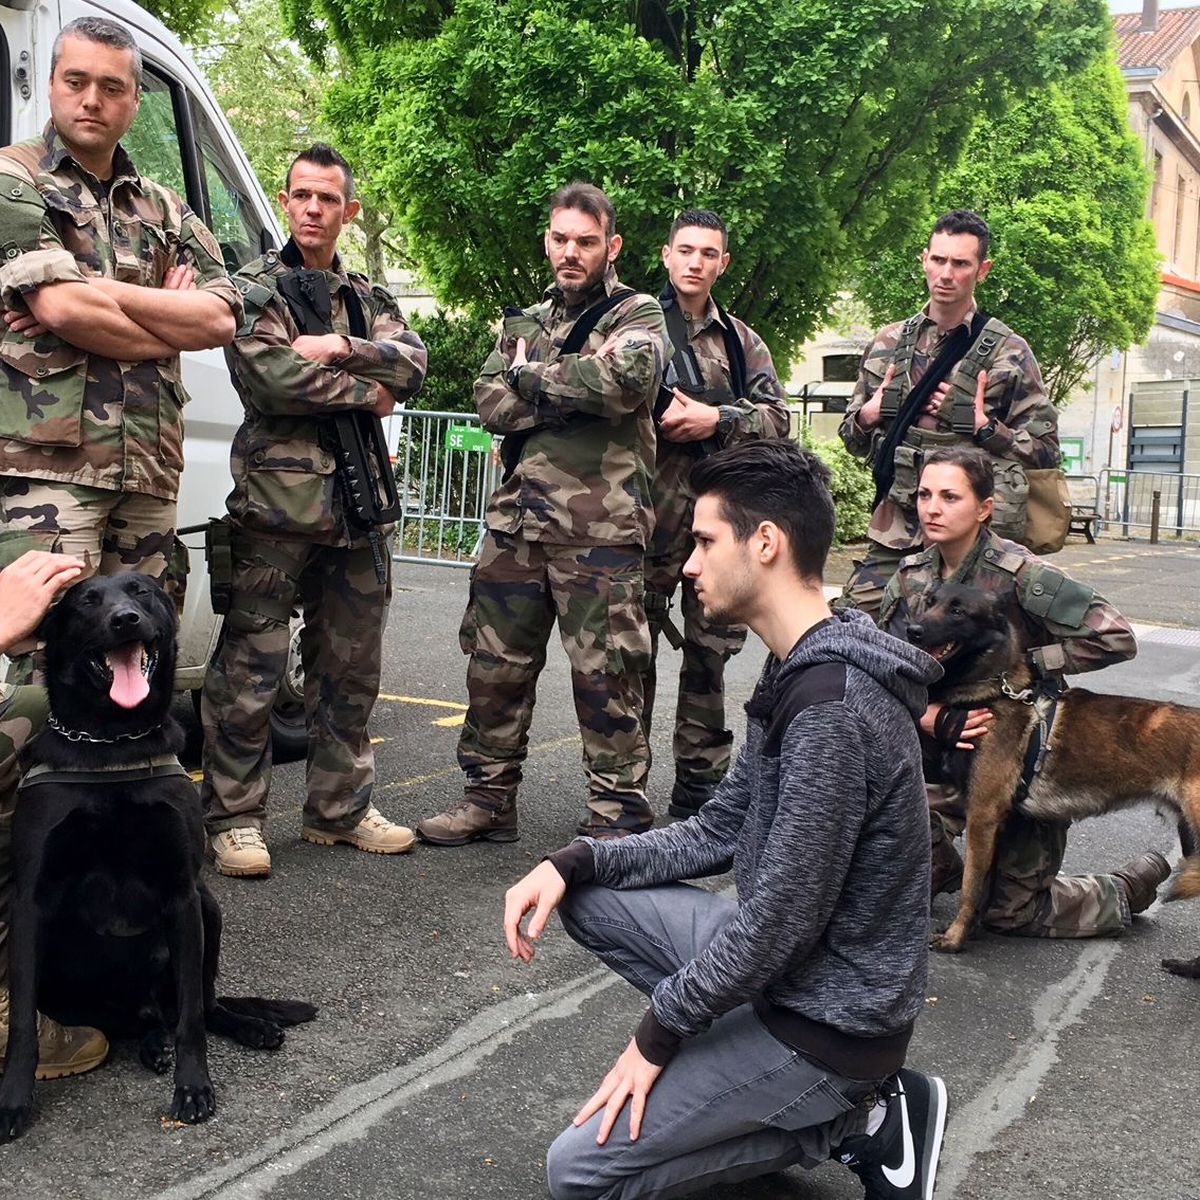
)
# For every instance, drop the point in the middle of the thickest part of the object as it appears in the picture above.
(156, 1051)
(14, 1121)
(192, 1105)
(946, 943)
(258, 1035)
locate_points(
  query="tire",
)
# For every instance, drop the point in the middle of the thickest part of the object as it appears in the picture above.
(289, 731)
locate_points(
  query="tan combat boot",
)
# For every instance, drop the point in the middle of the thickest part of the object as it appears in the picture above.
(469, 822)
(62, 1049)
(374, 833)
(240, 852)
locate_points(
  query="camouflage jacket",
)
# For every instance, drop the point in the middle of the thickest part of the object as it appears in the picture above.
(1066, 626)
(761, 413)
(66, 414)
(281, 458)
(1026, 428)
(585, 468)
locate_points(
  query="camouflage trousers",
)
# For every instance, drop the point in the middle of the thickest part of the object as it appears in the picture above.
(23, 711)
(518, 588)
(1028, 897)
(702, 745)
(864, 588)
(345, 610)
(110, 531)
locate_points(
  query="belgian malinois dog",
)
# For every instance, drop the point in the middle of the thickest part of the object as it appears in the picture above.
(1105, 752)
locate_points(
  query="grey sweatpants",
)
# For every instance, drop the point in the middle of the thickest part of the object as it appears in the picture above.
(734, 1103)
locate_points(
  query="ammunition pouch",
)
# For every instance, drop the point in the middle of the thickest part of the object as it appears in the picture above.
(909, 459)
(218, 554)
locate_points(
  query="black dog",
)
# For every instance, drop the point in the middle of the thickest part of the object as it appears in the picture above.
(112, 925)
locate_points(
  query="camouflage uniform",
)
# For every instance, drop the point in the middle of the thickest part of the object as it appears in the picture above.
(1065, 627)
(566, 535)
(702, 743)
(291, 547)
(92, 448)
(1026, 433)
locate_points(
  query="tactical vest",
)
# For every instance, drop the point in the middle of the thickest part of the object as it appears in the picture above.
(957, 411)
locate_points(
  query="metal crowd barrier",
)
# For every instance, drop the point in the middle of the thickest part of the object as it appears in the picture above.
(446, 470)
(1159, 502)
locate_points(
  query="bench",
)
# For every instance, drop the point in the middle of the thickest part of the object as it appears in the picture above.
(1085, 510)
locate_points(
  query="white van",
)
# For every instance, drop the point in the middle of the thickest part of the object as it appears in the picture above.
(182, 140)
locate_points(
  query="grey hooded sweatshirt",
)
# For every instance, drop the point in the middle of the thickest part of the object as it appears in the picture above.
(825, 822)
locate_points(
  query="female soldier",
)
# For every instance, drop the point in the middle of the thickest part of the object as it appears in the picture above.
(1064, 626)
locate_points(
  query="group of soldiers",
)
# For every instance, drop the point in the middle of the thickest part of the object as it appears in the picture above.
(605, 398)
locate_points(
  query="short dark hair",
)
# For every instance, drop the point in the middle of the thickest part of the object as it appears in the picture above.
(321, 154)
(701, 218)
(104, 31)
(974, 463)
(773, 480)
(586, 198)
(963, 220)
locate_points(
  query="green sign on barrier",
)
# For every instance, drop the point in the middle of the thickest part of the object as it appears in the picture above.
(468, 437)
(1115, 478)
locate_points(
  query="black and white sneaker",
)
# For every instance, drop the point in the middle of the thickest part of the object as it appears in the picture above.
(900, 1160)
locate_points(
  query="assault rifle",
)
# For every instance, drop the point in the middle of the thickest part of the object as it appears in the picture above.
(365, 478)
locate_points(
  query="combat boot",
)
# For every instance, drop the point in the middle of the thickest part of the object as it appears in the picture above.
(469, 822)
(62, 1049)
(373, 833)
(688, 796)
(1140, 879)
(240, 852)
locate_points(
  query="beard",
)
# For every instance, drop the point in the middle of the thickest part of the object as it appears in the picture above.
(580, 287)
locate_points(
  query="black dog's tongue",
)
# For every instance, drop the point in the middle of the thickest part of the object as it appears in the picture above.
(129, 686)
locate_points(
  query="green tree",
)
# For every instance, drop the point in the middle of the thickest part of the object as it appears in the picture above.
(457, 346)
(810, 124)
(1063, 185)
(185, 18)
(272, 93)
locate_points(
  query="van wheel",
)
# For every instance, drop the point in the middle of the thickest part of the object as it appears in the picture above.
(289, 731)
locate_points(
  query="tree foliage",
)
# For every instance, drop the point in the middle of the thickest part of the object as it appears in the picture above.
(183, 17)
(814, 126)
(457, 345)
(1063, 185)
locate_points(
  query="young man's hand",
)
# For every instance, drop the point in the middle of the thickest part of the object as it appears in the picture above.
(630, 1079)
(542, 890)
(323, 348)
(28, 586)
(688, 420)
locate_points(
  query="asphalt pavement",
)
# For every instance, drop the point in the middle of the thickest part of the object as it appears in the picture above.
(439, 1068)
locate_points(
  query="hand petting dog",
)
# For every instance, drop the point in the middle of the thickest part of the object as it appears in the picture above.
(28, 587)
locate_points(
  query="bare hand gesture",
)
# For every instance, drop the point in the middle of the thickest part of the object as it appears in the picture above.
(631, 1079)
(27, 589)
(181, 278)
(870, 413)
(542, 890)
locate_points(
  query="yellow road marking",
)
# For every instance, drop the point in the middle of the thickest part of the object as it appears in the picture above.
(459, 717)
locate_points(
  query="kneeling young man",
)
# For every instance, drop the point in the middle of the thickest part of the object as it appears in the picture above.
(778, 1023)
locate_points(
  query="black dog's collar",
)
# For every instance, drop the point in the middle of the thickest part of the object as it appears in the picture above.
(79, 735)
(152, 768)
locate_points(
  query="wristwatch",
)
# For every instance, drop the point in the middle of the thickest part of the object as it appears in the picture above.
(725, 422)
(513, 378)
(986, 431)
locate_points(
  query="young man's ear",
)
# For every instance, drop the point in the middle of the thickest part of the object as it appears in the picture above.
(767, 542)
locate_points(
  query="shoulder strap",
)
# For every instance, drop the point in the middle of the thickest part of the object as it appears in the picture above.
(979, 357)
(735, 352)
(590, 318)
(902, 358)
(816, 684)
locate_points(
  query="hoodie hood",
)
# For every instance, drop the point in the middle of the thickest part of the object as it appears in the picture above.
(852, 637)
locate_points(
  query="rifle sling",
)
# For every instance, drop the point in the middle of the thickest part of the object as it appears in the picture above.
(955, 348)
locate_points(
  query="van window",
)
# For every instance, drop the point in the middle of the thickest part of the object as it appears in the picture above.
(232, 217)
(154, 142)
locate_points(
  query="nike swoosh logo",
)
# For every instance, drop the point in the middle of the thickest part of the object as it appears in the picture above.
(903, 1175)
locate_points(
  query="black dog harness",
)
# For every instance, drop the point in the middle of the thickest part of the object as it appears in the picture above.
(161, 766)
(1044, 702)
